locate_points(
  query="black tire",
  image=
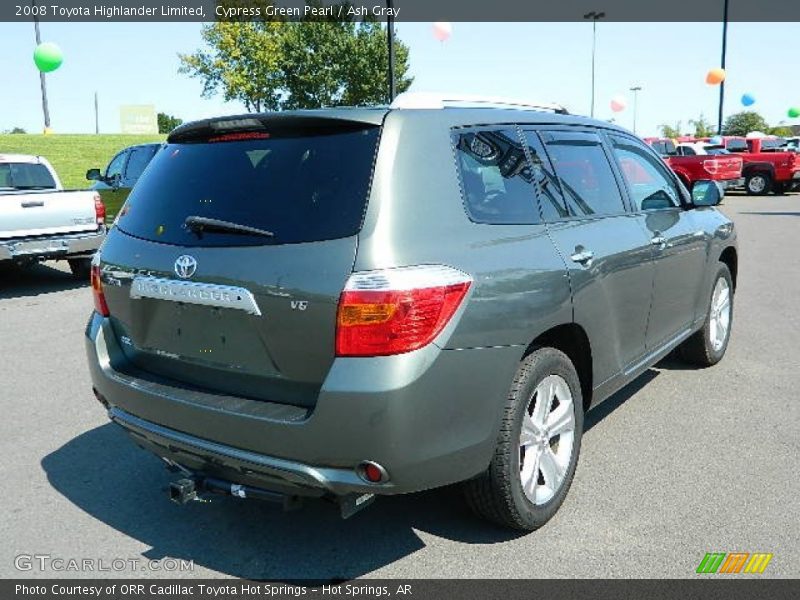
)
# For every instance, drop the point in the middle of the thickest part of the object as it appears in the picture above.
(497, 494)
(699, 349)
(780, 188)
(758, 184)
(80, 267)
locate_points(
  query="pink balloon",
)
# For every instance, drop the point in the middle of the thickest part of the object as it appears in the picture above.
(442, 31)
(618, 103)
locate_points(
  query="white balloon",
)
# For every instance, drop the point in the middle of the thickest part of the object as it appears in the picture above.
(754, 135)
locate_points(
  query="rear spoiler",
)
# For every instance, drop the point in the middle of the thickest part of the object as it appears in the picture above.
(279, 124)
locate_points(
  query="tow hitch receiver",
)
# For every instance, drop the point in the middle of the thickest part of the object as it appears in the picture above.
(191, 489)
(183, 491)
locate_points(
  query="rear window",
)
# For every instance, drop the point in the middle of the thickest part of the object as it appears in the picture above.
(736, 145)
(25, 176)
(302, 188)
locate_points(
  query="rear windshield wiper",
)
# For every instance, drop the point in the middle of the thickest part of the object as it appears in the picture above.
(200, 225)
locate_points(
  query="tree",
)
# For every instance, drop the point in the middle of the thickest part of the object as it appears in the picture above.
(167, 123)
(781, 130)
(669, 131)
(316, 62)
(743, 123)
(702, 127)
(15, 130)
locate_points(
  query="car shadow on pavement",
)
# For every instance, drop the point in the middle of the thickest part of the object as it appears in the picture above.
(104, 474)
(18, 282)
(770, 213)
(613, 402)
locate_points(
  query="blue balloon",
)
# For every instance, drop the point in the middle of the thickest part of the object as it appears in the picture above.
(748, 100)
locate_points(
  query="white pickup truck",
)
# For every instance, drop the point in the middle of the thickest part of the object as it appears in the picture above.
(40, 220)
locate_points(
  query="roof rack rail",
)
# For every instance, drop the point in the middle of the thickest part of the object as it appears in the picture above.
(437, 101)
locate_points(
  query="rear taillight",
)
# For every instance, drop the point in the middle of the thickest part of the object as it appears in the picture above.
(99, 210)
(97, 291)
(392, 311)
(712, 166)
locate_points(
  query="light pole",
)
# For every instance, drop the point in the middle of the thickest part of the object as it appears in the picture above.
(635, 89)
(594, 17)
(42, 82)
(390, 43)
(722, 64)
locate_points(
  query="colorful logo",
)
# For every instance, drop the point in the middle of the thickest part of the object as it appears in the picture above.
(734, 562)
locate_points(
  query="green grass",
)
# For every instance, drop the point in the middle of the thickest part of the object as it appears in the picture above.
(73, 154)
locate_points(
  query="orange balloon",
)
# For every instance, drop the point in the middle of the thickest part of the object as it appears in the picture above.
(715, 76)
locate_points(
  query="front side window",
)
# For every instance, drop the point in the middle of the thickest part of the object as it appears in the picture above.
(648, 184)
(496, 178)
(587, 181)
(116, 165)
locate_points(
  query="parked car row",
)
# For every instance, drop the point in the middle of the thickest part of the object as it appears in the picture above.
(40, 220)
(764, 164)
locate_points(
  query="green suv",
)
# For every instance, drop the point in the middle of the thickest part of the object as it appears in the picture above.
(350, 303)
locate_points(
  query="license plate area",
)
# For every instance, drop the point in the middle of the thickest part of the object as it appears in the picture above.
(37, 247)
(227, 339)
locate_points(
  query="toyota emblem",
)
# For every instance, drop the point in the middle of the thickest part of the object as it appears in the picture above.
(185, 266)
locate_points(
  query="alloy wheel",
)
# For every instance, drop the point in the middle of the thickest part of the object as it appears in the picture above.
(547, 439)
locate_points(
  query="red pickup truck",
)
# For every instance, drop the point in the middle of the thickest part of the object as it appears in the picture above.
(723, 168)
(767, 167)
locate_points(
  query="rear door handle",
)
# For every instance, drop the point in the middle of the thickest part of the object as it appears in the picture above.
(32, 203)
(582, 256)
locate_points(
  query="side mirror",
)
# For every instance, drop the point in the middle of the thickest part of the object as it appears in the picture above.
(94, 175)
(707, 193)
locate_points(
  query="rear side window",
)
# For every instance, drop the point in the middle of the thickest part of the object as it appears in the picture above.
(25, 176)
(587, 182)
(496, 178)
(665, 147)
(302, 188)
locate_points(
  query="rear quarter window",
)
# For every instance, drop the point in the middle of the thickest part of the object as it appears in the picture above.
(303, 188)
(496, 178)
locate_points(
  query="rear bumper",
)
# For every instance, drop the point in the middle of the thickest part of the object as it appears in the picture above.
(429, 418)
(233, 464)
(52, 246)
(729, 184)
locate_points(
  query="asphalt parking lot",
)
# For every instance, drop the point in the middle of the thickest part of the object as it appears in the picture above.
(681, 463)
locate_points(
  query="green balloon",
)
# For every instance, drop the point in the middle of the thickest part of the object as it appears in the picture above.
(48, 57)
(793, 112)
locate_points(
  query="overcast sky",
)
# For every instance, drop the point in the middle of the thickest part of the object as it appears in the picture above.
(137, 64)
